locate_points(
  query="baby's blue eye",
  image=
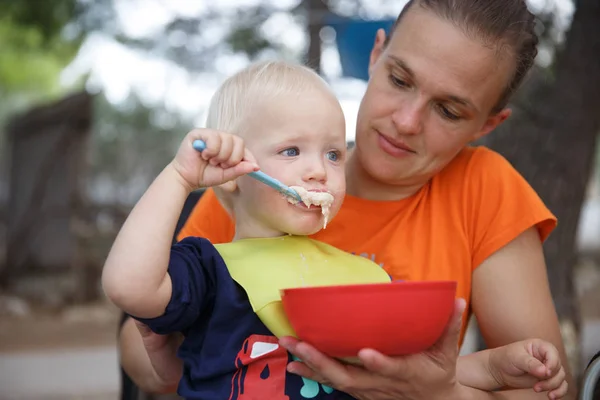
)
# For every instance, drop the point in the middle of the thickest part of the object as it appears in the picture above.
(333, 155)
(291, 152)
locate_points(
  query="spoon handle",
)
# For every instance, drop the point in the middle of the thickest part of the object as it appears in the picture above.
(259, 175)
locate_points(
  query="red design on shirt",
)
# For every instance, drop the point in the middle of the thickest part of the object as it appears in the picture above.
(261, 370)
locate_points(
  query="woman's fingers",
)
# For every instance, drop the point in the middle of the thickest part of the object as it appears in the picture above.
(391, 367)
(300, 368)
(326, 367)
(447, 345)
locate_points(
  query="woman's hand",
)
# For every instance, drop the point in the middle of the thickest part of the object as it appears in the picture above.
(149, 359)
(427, 375)
(162, 351)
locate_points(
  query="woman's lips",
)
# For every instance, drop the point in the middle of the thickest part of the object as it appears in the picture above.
(392, 147)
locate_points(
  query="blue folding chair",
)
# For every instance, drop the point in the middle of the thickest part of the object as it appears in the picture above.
(590, 389)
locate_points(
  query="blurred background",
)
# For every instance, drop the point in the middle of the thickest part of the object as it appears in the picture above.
(95, 96)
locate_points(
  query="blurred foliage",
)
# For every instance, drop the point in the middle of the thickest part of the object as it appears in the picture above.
(132, 140)
(247, 39)
(130, 145)
(47, 17)
(34, 49)
(34, 52)
(30, 62)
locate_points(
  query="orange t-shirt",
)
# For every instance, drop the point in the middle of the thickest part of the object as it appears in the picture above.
(472, 208)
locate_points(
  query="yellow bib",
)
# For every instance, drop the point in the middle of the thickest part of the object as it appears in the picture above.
(265, 266)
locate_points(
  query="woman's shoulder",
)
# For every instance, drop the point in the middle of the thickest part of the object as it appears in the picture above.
(481, 173)
(208, 219)
(492, 195)
(478, 168)
(481, 160)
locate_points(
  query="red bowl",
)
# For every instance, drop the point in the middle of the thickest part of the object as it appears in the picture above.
(394, 318)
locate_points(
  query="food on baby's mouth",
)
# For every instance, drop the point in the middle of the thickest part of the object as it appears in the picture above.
(309, 198)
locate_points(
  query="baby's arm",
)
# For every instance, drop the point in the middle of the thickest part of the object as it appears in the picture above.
(473, 370)
(530, 363)
(135, 274)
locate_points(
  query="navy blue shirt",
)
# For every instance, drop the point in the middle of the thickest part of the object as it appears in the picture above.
(227, 353)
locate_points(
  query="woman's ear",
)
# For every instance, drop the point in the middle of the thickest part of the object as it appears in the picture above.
(378, 47)
(492, 122)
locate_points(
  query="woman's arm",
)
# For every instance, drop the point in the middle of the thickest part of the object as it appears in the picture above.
(150, 359)
(511, 298)
(430, 375)
(512, 301)
(510, 288)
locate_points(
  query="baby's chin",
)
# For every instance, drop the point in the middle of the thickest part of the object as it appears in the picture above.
(305, 226)
(305, 231)
(302, 226)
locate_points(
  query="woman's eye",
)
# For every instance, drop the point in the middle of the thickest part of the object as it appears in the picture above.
(446, 113)
(398, 81)
(333, 155)
(291, 152)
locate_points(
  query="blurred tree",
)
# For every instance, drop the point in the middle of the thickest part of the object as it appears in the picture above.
(132, 141)
(551, 140)
(131, 144)
(195, 41)
(49, 18)
(315, 10)
(34, 48)
(34, 51)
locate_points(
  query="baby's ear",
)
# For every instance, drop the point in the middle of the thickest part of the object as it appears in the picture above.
(224, 193)
(228, 187)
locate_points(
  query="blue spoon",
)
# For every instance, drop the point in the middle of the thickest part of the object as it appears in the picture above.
(258, 175)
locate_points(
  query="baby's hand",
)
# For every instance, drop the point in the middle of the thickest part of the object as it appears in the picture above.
(532, 363)
(224, 159)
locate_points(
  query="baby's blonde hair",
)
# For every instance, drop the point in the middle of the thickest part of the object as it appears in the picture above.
(241, 95)
(237, 98)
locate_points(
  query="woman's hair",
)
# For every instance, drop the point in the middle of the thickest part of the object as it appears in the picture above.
(500, 23)
(238, 97)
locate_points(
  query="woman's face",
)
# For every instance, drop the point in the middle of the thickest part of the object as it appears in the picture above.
(431, 91)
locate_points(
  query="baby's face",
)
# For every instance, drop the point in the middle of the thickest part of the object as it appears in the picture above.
(299, 140)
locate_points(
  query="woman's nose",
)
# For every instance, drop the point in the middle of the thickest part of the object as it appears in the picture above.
(408, 118)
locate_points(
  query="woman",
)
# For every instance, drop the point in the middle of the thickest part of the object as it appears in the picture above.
(424, 204)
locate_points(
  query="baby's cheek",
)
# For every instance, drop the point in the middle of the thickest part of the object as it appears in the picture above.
(338, 190)
(338, 199)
